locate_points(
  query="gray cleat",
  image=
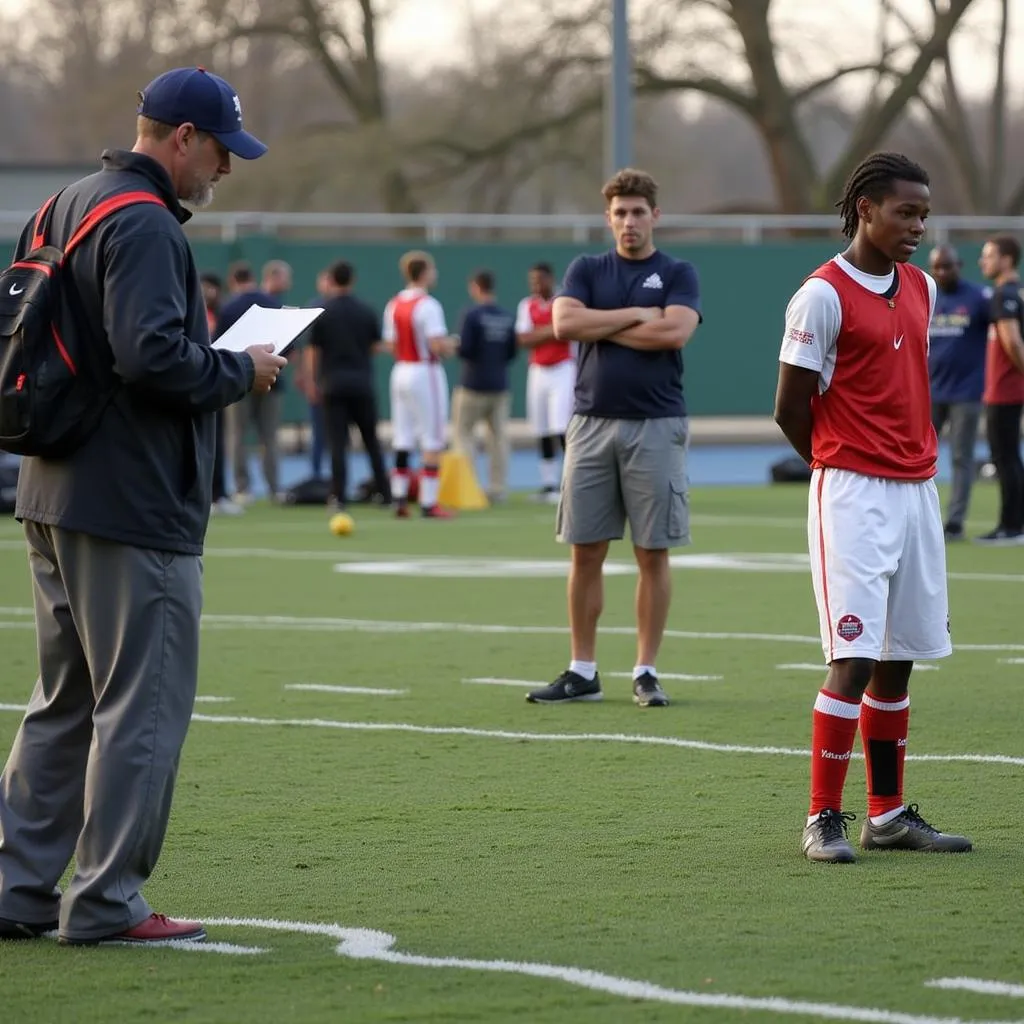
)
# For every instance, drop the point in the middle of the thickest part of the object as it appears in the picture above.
(825, 839)
(567, 689)
(909, 831)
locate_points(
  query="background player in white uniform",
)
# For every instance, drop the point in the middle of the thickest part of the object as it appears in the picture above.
(854, 400)
(415, 330)
(551, 379)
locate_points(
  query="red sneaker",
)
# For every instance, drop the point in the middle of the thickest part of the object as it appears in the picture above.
(437, 512)
(156, 928)
(402, 511)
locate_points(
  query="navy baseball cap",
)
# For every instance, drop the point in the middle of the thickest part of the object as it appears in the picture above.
(197, 96)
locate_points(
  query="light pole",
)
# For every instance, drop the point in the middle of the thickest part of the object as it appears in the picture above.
(619, 99)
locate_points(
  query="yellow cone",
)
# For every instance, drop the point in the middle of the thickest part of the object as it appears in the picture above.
(458, 484)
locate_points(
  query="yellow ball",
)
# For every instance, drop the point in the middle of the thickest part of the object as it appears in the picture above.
(342, 524)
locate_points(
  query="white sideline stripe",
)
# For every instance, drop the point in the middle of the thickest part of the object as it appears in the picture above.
(329, 625)
(560, 737)
(1011, 661)
(500, 681)
(988, 988)
(366, 944)
(214, 700)
(225, 948)
(333, 625)
(681, 677)
(810, 666)
(324, 688)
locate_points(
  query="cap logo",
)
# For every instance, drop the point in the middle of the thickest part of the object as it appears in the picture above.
(238, 107)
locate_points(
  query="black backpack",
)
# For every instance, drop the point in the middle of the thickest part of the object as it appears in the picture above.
(56, 380)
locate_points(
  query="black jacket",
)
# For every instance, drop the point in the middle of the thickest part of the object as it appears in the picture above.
(145, 477)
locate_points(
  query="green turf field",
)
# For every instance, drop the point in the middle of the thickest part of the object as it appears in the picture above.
(649, 857)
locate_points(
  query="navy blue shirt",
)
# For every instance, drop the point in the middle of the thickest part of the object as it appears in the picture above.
(956, 339)
(487, 344)
(234, 309)
(618, 382)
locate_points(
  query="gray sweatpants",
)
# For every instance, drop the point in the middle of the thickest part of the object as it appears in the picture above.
(616, 470)
(963, 419)
(92, 769)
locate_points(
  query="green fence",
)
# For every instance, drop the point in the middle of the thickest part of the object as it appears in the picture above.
(731, 364)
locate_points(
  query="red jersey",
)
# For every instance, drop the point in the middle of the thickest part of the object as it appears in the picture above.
(411, 319)
(536, 312)
(874, 417)
(1004, 383)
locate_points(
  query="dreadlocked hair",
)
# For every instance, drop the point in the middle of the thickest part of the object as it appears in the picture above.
(874, 178)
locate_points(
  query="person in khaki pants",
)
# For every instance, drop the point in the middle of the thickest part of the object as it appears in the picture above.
(487, 344)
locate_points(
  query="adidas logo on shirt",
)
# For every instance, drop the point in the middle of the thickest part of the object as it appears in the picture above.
(654, 281)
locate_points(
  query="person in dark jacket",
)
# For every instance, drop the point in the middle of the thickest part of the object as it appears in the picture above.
(339, 367)
(115, 532)
(487, 345)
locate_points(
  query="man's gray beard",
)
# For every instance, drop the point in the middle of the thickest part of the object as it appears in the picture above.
(201, 196)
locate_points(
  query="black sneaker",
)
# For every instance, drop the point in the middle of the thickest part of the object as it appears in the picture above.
(11, 930)
(825, 839)
(1001, 537)
(953, 532)
(909, 831)
(568, 687)
(647, 692)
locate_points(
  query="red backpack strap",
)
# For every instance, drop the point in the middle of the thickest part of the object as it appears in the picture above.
(103, 210)
(39, 230)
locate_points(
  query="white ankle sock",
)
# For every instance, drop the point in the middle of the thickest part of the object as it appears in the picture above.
(586, 669)
(639, 670)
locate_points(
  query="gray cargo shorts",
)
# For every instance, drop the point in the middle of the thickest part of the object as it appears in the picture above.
(625, 469)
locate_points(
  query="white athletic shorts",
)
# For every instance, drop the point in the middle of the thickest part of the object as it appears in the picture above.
(550, 395)
(878, 562)
(419, 407)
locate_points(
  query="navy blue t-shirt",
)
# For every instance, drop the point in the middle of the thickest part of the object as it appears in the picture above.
(487, 344)
(618, 382)
(956, 344)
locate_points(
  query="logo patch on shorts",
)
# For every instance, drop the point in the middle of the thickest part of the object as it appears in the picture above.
(849, 627)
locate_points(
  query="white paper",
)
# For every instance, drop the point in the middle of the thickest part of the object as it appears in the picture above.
(259, 325)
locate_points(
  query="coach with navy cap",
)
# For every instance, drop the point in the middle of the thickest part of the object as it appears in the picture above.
(115, 532)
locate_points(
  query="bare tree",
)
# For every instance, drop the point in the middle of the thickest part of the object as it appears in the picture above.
(974, 135)
(773, 104)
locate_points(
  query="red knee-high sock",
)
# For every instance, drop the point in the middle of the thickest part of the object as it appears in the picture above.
(883, 734)
(833, 731)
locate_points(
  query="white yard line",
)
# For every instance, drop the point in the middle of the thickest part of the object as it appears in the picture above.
(325, 688)
(338, 625)
(500, 681)
(557, 737)
(811, 666)
(979, 985)
(367, 944)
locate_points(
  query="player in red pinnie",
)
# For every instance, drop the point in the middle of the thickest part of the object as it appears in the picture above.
(853, 399)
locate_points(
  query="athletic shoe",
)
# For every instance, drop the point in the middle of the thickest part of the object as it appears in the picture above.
(436, 512)
(954, 532)
(568, 687)
(12, 930)
(401, 510)
(647, 692)
(1000, 538)
(825, 839)
(157, 929)
(909, 831)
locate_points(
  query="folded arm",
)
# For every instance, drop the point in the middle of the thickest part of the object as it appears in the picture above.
(671, 331)
(572, 321)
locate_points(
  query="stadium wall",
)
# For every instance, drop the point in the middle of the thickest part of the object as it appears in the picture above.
(730, 365)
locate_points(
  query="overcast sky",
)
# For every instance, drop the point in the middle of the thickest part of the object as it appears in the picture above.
(426, 32)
